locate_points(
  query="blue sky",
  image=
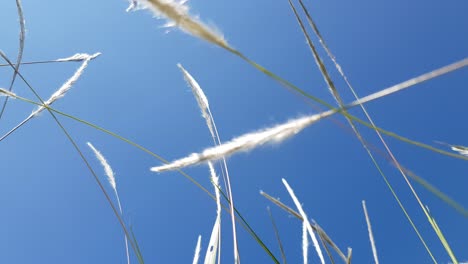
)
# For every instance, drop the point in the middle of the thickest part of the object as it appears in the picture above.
(53, 211)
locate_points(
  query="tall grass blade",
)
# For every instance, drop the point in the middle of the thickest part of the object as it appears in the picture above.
(197, 251)
(305, 220)
(337, 97)
(315, 227)
(111, 178)
(371, 235)
(206, 113)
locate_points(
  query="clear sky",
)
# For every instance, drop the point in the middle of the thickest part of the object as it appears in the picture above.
(53, 211)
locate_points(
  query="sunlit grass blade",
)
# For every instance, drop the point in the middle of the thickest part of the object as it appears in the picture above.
(197, 251)
(206, 113)
(22, 37)
(371, 235)
(317, 229)
(305, 220)
(337, 97)
(111, 178)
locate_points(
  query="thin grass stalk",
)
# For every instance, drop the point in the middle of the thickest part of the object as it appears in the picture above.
(411, 174)
(449, 251)
(239, 217)
(418, 179)
(305, 220)
(83, 158)
(324, 244)
(78, 57)
(278, 239)
(206, 113)
(22, 37)
(337, 97)
(371, 235)
(316, 228)
(111, 178)
(197, 251)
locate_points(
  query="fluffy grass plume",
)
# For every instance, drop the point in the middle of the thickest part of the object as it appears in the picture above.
(5, 92)
(204, 106)
(305, 221)
(177, 13)
(68, 84)
(246, 142)
(371, 235)
(111, 178)
(280, 132)
(197, 251)
(55, 96)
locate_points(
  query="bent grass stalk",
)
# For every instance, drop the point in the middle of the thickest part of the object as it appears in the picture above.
(337, 97)
(204, 106)
(111, 178)
(22, 36)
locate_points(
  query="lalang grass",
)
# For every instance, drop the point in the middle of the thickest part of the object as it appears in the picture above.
(177, 16)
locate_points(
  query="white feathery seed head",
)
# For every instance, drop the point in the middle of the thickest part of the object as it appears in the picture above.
(460, 149)
(245, 142)
(78, 57)
(5, 92)
(67, 85)
(176, 12)
(107, 168)
(201, 98)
